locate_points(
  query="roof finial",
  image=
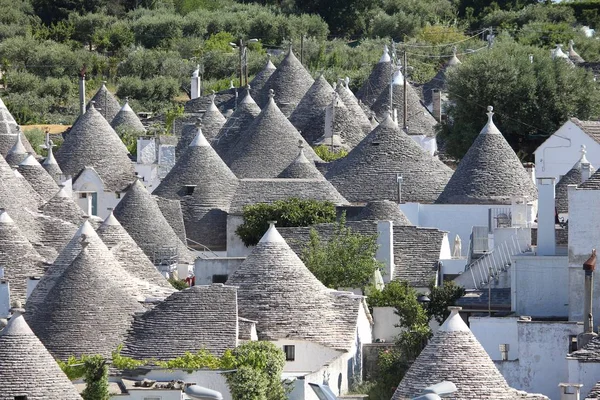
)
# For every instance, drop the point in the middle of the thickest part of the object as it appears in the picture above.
(571, 43)
(126, 99)
(490, 113)
(347, 82)
(272, 223)
(92, 103)
(583, 159)
(16, 307)
(248, 87)
(198, 123)
(300, 144)
(231, 85)
(454, 50)
(84, 241)
(271, 93)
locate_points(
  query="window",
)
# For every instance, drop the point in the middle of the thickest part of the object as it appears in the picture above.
(189, 189)
(23, 397)
(290, 352)
(572, 343)
(118, 195)
(220, 278)
(83, 195)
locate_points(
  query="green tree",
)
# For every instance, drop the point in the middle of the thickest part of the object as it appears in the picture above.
(530, 99)
(290, 212)
(346, 259)
(95, 378)
(441, 297)
(258, 368)
(55, 10)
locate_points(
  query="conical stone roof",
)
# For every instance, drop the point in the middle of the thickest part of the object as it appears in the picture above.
(201, 169)
(257, 84)
(127, 120)
(106, 103)
(92, 142)
(62, 206)
(573, 177)
(345, 125)
(51, 166)
(128, 253)
(235, 126)
(439, 80)
(383, 210)
(369, 172)
(27, 368)
(224, 100)
(490, 172)
(455, 355)
(420, 121)
(88, 310)
(351, 103)
(38, 177)
(268, 146)
(309, 116)
(301, 168)
(277, 290)
(18, 258)
(200, 317)
(290, 81)
(9, 130)
(212, 121)
(18, 152)
(141, 217)
(378, 81)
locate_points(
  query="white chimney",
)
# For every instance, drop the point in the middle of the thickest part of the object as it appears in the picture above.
(196, 82)
(4, 298)
(546, 240)
(570, 391)
(385, 248)
(32, 282)
(436, 97)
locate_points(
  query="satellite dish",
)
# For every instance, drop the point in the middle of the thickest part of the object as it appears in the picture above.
(434, 392)
(202, 393)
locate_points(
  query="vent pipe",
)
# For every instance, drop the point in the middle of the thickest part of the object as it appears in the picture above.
(588, 320)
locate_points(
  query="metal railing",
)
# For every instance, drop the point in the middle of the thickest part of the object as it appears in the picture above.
(497, 261)
(200, 246)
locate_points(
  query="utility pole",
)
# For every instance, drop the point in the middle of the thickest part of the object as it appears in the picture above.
(489, 291)
(302, 49)
(241, 63)
(405, 89)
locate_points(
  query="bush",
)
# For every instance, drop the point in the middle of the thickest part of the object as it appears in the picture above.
(158, 30)
(60, 88)
(290, 212)
(22, 82)
(155, 89)
(327, 154)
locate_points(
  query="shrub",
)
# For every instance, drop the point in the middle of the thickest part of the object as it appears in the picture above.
(158, 30)
(290, 212)
(155, 89)
(327, 154)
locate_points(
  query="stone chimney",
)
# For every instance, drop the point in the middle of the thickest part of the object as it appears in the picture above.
(546, 239)
(436, 97)
(385, 248)
(195, 84)
(570, 391)
(588, 320)
(4, 298)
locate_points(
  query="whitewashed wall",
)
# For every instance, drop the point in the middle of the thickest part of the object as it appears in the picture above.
(584, 373)
(557, 155)
(235, 246)
(538, 349)
(89, 181)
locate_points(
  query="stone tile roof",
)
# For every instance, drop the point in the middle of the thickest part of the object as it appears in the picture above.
(454, 354)
(18, 257)
(346, 125)
(129, 254)
(9, 132)
(62, 206)
(92, 142)
(257, 84)
(213, 184)
(200, 317)
(383, 210)
(592, 183)
(141, 217)
(268, 146)
(235, 126)
(106, 103)
(369, 171)
(301, 168)
(38, 177)
(173, 213)
(277, 290)
(490, 172)
(245, 329)
(252, 191)
(420, 121)
(416, 250)
(439, 80)
(187, 134)
(88, 309)
(309, 115)
(55, 233)
(573, 177)
(27, 368)
(224, 100)
(378, 81)
(127, 120)
(591, 128)
(351, 102)
(212, 121)
(51, 166)
(594, 393)
(18, 152)
(290, 81)
(589, 353)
